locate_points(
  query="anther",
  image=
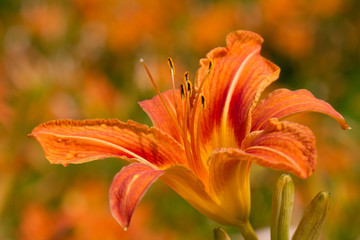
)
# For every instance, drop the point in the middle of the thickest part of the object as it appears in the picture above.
(203, 101)
(182, 91)
(189, 87)
(186, 76)
(171, 66)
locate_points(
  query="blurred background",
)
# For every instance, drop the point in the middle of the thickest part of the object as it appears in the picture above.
(79, 59)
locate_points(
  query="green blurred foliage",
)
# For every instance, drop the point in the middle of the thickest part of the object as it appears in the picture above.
(80, 59)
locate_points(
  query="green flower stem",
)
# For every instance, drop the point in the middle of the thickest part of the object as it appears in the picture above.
(247, 231)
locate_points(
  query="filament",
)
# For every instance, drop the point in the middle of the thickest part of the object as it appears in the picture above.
(172, 72)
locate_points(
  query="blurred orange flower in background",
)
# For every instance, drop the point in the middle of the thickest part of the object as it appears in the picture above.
(128, 23)
(79, 59)
(47, 21)
(83, 214)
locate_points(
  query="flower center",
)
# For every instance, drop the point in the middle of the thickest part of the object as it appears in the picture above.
(187, 116)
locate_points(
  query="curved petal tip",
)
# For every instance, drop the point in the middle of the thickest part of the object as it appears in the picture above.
(128, 187)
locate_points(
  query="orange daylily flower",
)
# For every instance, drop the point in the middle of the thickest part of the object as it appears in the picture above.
(205, 137)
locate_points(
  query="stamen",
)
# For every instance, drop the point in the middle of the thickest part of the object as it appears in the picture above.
(205, 76)
(194, 133)
(187, 94)
(198, 92)
(186, 79)
(187, 141)
(183, 122)
(172, 72)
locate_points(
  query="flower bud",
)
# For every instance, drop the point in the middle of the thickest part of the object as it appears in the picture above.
(220, 234)
(313, 218)
(282, 204)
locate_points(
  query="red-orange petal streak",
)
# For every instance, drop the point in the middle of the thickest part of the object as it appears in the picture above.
(283, 146)
(128, 187)
(69, 141)
(160, 118)
(255, 76)
(238, 76)
(283, 102)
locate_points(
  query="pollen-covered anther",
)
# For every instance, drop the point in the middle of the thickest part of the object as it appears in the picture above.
(186, 76)
(182, 91)
(171, 66)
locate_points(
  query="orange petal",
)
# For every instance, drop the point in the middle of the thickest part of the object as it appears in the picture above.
(238, 76)
(187, 185)
(131, 183)
(69, 141)
(229, 181)
(283, 102)
(158, 114)
(128, 187)
(283, 146)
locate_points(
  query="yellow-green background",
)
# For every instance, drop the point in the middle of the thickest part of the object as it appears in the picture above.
(79, 59)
